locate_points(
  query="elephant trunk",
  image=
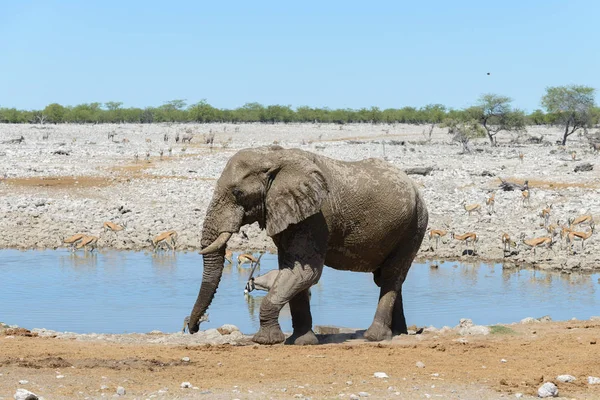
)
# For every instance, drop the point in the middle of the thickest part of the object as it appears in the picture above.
(217, 229)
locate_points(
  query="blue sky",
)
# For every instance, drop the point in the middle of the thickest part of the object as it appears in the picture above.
(336, 54)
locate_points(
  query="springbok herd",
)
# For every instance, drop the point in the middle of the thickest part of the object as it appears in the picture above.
(78, 241)
(564, 233)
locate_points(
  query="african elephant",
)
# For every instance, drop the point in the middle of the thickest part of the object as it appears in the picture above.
(364, 216)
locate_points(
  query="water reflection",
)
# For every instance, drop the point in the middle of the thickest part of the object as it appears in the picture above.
(140, 292)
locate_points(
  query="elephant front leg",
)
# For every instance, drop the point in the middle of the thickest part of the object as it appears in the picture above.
(302, 320)
(270, 332)
(301, 253)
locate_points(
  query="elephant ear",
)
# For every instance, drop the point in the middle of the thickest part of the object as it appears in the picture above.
(296, 191)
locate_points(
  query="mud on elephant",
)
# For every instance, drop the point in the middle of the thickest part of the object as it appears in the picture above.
(364, 216)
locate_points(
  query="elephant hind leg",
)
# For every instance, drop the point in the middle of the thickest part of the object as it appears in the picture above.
(389, 317)
(398, 320)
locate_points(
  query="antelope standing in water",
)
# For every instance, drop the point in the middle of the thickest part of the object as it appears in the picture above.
(167, 238)
(88, 241)
(73, 240)
(246, 258)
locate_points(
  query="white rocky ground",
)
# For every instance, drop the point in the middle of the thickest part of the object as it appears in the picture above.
(40, 202)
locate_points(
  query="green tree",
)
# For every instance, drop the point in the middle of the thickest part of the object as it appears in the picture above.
(55, 113)
(463, 131)
(203, 112)
(113, 105)
(495, 115)
(573, 105)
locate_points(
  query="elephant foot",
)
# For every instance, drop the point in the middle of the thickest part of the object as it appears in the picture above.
(378, 332)
(308, 338)
(270, 335)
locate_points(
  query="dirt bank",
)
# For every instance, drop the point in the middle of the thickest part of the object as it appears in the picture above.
(512, 359)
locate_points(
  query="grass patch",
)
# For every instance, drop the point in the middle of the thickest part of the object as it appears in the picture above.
(501, 330)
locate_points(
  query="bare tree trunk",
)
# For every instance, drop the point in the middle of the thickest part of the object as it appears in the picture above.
(566, 134)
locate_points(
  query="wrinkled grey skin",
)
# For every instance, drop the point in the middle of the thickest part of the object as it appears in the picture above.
(364, 216)
(263, 282)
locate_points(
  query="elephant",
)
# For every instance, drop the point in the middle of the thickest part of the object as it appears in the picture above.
(364, 216)
(261, 282)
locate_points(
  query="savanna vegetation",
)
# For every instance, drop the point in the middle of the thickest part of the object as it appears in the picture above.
(570, 106)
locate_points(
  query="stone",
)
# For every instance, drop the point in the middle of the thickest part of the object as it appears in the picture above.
(529, 320)
(23, 382)
(518, 395)
(548, 389)
(584, 167)
(185, 385)
(22, 394)
(593, 380)
(566, 378)
(363, 394)
(466, 327)
(465, 323)
(380, 375)
(121, 391)
(227, 329)
(185, 359)
(420, 364)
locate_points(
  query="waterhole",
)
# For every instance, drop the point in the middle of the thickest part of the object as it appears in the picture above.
(120, 292)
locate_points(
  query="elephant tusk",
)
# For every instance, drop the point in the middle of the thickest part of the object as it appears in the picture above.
(217, 244)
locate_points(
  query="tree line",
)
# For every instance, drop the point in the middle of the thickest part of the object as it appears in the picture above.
(572, 106)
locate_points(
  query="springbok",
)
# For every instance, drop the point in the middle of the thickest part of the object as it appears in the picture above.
(168, 238)
(521, 157)
(526, 197)
(553, 229)
(564, 235)
(574, 156)
(507, 243)
(583, 236)
(534, 243)
(582, 219)
(469, 208)
(467, 237)
(490, 202)
(545, 214)
(229, 256)
(246, 258)
(88, 241)
(110, 226)
(436, 234)
(73, 240)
